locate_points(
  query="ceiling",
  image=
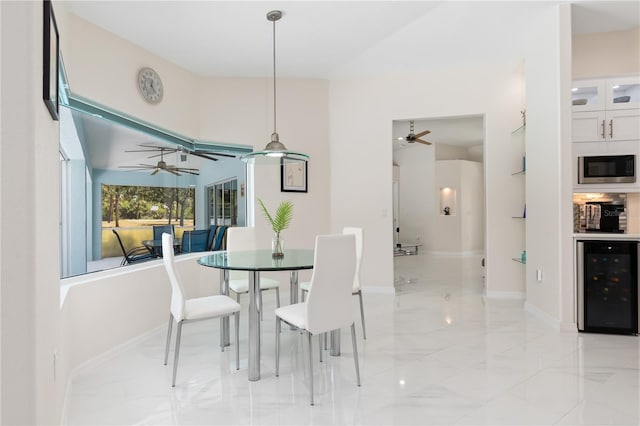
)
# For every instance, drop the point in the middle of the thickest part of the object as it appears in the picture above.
(328, 39)
(324, 39)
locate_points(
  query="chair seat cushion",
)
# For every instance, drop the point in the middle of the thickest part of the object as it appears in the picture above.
(293, 314)
(241, 285)
(209, 307)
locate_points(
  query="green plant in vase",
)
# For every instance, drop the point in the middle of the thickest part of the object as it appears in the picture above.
(279, 221)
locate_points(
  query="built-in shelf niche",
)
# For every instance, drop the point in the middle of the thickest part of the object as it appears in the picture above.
(447, 201)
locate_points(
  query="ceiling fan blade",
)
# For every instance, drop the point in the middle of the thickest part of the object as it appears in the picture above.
(424, 142)
(217, 154)
(139, 166)
(419, 135)
(189, 171)
(203, 155)
(173, 172)
(155, 171)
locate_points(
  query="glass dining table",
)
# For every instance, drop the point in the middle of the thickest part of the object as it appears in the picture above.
(254, 262)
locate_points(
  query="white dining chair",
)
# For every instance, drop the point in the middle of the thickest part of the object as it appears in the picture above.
(329, 305)
(241, 238)
(188, 310)
(357, 289)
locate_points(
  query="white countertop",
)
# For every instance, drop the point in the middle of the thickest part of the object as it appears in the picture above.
(605, 236)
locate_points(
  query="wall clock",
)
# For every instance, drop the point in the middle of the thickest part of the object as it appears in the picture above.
(150, 85)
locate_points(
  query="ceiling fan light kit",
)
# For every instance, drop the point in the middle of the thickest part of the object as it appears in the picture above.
(412, 137)
(275, 148)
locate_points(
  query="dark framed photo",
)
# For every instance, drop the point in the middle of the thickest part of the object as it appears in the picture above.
(50, 60)
(293, 175)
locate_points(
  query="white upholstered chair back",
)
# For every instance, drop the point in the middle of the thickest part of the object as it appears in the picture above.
(329, 303)
(177, 292)
(359, 234)
(241, 238)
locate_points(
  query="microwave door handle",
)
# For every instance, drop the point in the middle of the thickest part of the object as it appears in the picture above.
(602, 134)
(611, 129)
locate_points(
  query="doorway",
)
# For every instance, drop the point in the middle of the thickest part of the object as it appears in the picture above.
(438, 185)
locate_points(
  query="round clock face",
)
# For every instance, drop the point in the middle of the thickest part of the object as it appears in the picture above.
(150, 85)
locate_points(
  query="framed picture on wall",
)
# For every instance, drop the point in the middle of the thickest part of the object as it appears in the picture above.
(50, 61)
(293, 175)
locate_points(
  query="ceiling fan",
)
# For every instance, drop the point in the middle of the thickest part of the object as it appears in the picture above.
(209, 155)
(162, 165)
(413, 137)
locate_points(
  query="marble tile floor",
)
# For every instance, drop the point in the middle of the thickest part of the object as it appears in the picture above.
(436, 353)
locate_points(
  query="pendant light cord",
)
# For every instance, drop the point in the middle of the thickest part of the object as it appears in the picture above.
(274, 78)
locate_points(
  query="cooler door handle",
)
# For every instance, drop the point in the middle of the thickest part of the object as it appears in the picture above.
(580, 283)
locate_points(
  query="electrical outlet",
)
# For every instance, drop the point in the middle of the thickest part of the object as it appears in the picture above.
(539, 275)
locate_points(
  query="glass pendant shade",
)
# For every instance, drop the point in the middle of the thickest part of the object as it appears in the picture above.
(274, 150)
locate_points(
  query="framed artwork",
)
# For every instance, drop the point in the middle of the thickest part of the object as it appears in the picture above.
(293, 175)
(50, 61)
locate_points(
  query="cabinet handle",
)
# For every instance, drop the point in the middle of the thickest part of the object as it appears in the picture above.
(611, 129)
(602, 134)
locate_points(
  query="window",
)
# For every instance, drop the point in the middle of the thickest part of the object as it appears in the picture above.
(222, 201)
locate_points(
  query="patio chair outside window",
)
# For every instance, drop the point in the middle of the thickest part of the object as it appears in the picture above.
(134, 255)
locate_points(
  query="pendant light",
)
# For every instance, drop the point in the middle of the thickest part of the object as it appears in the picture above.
(274, 149)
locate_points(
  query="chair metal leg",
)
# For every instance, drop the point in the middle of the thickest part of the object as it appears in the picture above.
(176, 354)
(277, 297)
(166, 348)
(355, 351)
(238, 297)
(320, 345)
(364, 333)
(309, 339)
(326, 340)
(277, 346)
(236, 318)
(261, 305)
(303, 293)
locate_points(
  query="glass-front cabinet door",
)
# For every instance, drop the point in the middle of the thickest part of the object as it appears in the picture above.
(623, 93)
(588, 95)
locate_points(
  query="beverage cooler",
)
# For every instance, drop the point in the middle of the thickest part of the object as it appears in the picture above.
(607, 286)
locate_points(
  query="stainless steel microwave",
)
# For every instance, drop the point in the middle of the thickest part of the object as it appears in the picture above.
(607, 169)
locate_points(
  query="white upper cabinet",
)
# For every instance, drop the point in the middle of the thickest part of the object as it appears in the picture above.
(588, 95)
(606, 109)
(622, 93)
(606, 94)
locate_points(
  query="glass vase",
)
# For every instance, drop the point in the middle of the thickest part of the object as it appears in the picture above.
(277, 247)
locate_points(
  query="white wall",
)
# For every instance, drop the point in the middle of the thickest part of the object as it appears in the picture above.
(548, 179)
(416, 193)
(606, 54)
(362, 111)
(29, 266)
(453, 152)
(462, 232)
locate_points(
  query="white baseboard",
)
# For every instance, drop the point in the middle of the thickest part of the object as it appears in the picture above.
(569, 327)
(510, 295)
(540, 314)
